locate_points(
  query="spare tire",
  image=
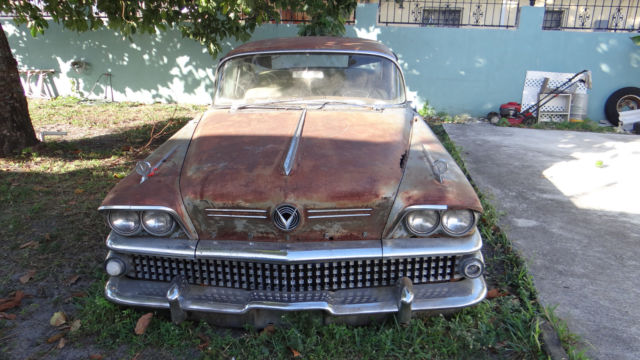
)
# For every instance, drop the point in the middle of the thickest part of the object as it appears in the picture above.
(624, 99)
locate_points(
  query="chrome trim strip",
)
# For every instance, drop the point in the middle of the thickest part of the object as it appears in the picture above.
(289, 253)
(293, 148)
(335, 216)
(237, 210)
(336, 210)
(296, 252)
(152, 294)
(435, 246)
(169, 210)
(239, 216)
(152, 246)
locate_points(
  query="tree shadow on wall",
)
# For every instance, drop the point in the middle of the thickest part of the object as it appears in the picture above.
(159, 65)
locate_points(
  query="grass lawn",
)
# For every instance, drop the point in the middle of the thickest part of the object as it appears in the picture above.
(53, 246)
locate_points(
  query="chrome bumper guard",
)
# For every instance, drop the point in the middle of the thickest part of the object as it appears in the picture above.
(180, 297)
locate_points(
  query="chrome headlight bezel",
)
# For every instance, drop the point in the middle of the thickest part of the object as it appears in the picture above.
(447, 230)
(136, 216)
(147, 228)
(411, 229)
(403, 224)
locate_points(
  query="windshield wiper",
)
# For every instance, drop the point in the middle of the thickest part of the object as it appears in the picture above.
(375, 107)
(266, 104)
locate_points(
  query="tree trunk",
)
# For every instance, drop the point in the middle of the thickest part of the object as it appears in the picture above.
(16, 130)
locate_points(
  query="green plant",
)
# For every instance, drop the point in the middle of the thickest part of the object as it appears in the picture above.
(427, 110)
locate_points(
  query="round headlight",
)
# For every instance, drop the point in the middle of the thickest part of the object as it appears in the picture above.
(157, 223)
(458, 222)
(124, 222)
(422, 222)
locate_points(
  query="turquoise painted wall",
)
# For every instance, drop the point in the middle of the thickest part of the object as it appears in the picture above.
(458, 70)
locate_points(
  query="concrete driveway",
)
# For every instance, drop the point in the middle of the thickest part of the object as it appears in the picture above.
(571, 204)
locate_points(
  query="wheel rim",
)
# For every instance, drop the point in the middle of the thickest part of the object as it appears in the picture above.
(628, 102)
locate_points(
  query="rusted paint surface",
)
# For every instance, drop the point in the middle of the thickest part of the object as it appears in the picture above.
(420, 186)
(346, 159)
(163, 188)
(312, 43)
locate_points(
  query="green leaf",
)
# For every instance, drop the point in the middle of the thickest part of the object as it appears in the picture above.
(636, 39)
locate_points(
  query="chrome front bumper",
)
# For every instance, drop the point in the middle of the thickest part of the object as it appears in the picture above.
(403, 298)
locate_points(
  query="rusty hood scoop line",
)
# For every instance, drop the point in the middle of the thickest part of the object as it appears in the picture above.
(289, 160)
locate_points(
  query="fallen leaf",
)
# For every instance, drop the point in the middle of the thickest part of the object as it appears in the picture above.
(143, 322)
(78, 191)
(47, 237)
(4, 315)
(31, 243)
(38, 188)
(10, 303)
(72, 280)
(268, 330)
(126, 148)
(205, 341)
(95, 357)
(61, 343)
(136, 356)
(294, 352)
(75, 325)
(55, 337)
(58, 318)
(28, 276)
(79, 294)
(494, 293)
(118, 176)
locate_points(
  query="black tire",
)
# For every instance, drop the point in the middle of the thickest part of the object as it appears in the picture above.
(627, 98)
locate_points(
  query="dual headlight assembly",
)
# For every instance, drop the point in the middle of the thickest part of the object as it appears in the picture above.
(450, 222)
(129, 223)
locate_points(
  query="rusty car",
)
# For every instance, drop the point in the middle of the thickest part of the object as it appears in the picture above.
(309, 184)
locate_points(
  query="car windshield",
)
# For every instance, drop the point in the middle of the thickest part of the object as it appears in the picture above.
(263, 78)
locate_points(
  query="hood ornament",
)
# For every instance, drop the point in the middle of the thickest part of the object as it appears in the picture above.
(293, 147)
(286, 217)
(145, 170)
(438, 167)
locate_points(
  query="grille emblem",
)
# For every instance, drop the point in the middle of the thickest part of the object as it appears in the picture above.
(286, 217)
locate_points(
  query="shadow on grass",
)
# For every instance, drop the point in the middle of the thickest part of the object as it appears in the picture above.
(133, 139)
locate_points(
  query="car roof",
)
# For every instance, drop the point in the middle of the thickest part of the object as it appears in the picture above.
(313, 43)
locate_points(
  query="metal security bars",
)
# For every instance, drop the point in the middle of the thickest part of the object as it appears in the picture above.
(593, 15)
(495, 13)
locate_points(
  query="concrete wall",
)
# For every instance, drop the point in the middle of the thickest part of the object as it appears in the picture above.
(458, 70)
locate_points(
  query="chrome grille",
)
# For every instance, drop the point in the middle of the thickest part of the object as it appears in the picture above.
(295, 277)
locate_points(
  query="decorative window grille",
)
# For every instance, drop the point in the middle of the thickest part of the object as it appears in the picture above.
(442, 17)
(449, 13)
(593, 15)
(552, 19)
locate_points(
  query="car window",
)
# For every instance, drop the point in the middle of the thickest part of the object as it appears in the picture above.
(271, 77)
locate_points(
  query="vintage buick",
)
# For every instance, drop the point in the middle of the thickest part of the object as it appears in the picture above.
(309, 184)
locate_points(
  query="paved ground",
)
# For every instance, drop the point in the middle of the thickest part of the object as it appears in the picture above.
(571, 204)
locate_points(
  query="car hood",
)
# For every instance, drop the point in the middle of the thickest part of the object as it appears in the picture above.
(343, 181)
